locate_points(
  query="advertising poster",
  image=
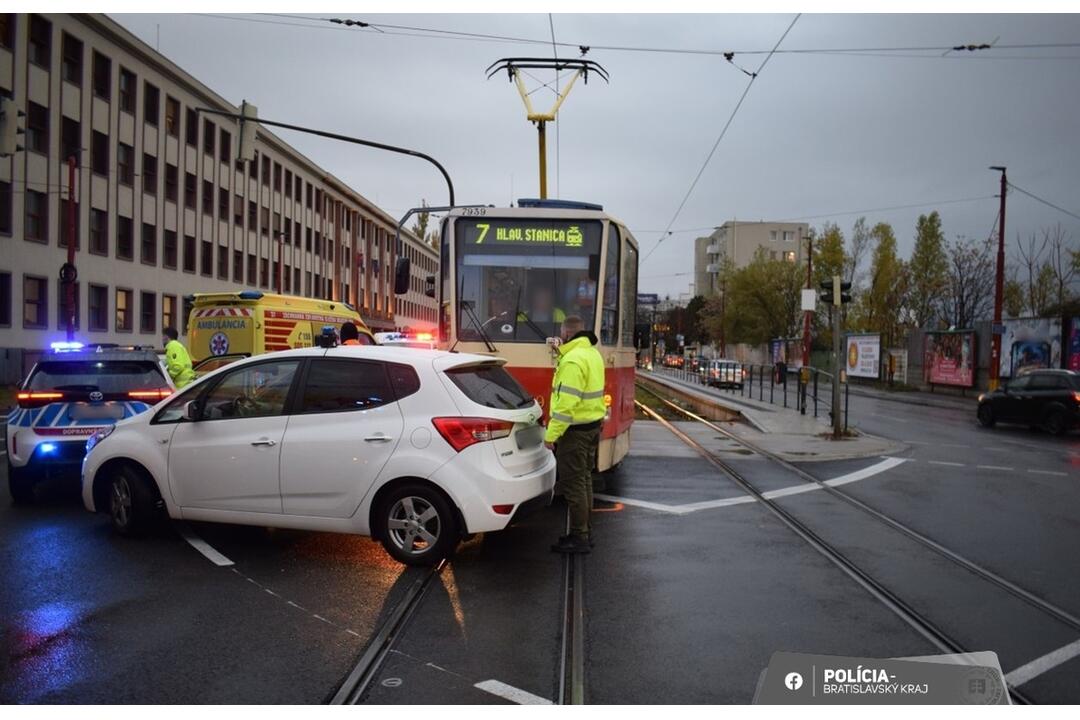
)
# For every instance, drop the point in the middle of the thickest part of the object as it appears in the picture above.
(950, 358)
(1030, 343)
(863, 355)
(777, 351)
(1072, 361)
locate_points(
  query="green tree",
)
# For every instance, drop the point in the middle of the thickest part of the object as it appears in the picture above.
(829, 256)
(696, 331)
(761, 302)
(880, 306)
(929, 271)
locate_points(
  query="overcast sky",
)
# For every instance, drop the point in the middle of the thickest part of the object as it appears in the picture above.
(818, 135)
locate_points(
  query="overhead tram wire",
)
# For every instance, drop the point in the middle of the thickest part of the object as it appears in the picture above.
(723, 132)
(558, 126)
(1035, 197)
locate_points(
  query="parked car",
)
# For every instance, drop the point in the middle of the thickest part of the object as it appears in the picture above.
(724, 373)
(1049, 399)
(413, 447)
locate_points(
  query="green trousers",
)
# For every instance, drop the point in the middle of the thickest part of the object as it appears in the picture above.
(575, 454)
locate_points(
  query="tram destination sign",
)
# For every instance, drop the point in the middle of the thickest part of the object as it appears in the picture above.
(484, 234)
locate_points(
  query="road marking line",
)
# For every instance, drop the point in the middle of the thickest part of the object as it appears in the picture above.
(352, 632)
(271, 592)
(3, 453)
(886, 464)
(320, 617)
(1048, 472)
(298, 607)
(994, 467)
(511, 693)
(1043, 664)
(944, 462)
(204, 547)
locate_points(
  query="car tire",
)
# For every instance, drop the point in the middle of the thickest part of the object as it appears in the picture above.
(986, 415)
(1056, 423)
(417, 525)
(132, 505)
(20, 485)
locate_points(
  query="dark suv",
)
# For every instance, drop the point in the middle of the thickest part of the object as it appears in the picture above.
(1041, 398)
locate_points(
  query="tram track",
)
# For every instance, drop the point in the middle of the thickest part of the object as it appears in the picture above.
(918, 621)
(572, 655)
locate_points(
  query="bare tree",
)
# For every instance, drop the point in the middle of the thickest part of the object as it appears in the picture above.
(1030, 269)
(969, 294)
(1061, 261)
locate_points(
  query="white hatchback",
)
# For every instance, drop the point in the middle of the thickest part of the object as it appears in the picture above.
(416, 448)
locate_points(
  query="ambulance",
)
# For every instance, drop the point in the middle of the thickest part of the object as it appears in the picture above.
(248, 322)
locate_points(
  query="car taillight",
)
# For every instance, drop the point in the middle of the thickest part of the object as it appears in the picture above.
(461, 432)
(150, 394)
(1076, 396)
(36, 399)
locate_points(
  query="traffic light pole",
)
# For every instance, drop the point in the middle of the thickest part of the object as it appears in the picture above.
(838, 360)
(807, 315)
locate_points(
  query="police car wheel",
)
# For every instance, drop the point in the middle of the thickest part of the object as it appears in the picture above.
(131, 504)
(417, 525)
(20, 485)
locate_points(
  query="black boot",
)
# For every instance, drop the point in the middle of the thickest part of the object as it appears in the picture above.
(572, 545)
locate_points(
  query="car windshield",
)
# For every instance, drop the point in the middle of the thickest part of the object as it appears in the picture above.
(490, 385)
(107, 376)
(519, 278)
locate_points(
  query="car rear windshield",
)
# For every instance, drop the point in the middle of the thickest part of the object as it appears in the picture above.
(107, 376)
(490, 385)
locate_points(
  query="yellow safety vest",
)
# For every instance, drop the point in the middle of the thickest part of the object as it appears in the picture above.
(557, 315)
(178, 363)
(577, 389)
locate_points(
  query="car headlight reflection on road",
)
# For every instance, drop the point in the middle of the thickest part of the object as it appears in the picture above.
(98, 436)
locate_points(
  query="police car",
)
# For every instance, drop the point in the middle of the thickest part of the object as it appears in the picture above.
(421, 341)
(72, 392)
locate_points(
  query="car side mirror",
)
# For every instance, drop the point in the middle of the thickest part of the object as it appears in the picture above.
(192, 410)
(401, 276)
(429, 286)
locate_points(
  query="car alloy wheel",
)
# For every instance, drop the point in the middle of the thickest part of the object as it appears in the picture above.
(414, 525)
(120, 501)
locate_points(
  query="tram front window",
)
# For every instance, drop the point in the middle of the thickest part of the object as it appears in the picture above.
(519, 278)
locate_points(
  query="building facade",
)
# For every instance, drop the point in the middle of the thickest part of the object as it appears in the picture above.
(163, 207)
(738, 242)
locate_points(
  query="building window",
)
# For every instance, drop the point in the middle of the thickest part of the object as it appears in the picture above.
(99, 232)
(99, 153)
(70, 139)
(149, 174)
(264, 272)
(264, 218)
(6, 204)
(192, 135)
(7, 39)
(125, 163)
(253, 166)
(226, 146)
(296, 281)
(307, 239)
(62, 306)
(64, 226)
(189, 190)
(253, 216)
(238, 266)
(172, 182)
(123, 310)
(102, 69)
(37, 216)
(208, 197)
(37, 127)
(127, 91)
(125, 238)
(151, 103)
(789, 255)
(97, 301)
(266, 171)
(222, 262)
(189, 253)
(208, 137)
(789, 236)
(40, 51)
(71, 51)
(147, 312)
(168, 312)
(35, 301)
(238, 211)
(207, 268)
(297, 233)
(168, 259)
(277, 177)
(772, 235)
(299, 187)
(288, 183)
(172, 116)
(223, 204)
(148, 251)
(251, 280)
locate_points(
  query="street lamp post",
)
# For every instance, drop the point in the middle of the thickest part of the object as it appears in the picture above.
(999, 287)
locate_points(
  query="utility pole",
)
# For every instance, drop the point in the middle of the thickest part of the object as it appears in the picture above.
(999, 287)
(808, 313)
(838, 359)
(68, 273)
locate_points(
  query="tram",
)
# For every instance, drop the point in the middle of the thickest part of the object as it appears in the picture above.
(508, 277)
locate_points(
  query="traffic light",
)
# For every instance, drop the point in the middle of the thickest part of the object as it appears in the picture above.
(9, 127)
(835, 292)
(248, 127)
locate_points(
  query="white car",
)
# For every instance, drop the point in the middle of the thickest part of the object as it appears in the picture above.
(415, 448)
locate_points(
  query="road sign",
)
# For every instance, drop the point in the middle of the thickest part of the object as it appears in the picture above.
(809, 300)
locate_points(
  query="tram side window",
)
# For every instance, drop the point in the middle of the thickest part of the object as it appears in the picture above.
(609, 318)
(629, 293)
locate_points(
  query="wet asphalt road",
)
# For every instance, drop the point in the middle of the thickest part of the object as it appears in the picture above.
(680, 606)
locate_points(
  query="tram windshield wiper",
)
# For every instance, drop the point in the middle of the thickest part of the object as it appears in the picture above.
(467, 306)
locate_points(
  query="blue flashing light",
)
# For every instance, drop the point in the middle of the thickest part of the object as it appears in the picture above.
(47, 448)
(250, 295)
(66, 345)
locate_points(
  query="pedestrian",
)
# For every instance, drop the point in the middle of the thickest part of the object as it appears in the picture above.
(177, 360)
(573, 431)
(350, 334)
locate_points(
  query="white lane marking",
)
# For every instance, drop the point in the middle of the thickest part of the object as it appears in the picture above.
(994, 467)
(511, 693)
(1040, 665)
(944, 462)
(1048, 472)
(320, 617)
(352, 632)
(880, 467)
(204, 547)
(3, 453)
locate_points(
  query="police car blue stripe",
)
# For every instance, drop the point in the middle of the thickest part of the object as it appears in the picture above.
(50, 413)
(28, 417)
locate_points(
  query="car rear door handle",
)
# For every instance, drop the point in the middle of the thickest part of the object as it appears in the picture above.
(264, 443)
(378, 438)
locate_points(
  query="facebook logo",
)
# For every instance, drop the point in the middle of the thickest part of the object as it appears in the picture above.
(793, 681)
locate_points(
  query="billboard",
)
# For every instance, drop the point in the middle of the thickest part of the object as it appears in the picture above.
(950, 358)
(1072, 357)
(863, 355)
(1030, 343)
